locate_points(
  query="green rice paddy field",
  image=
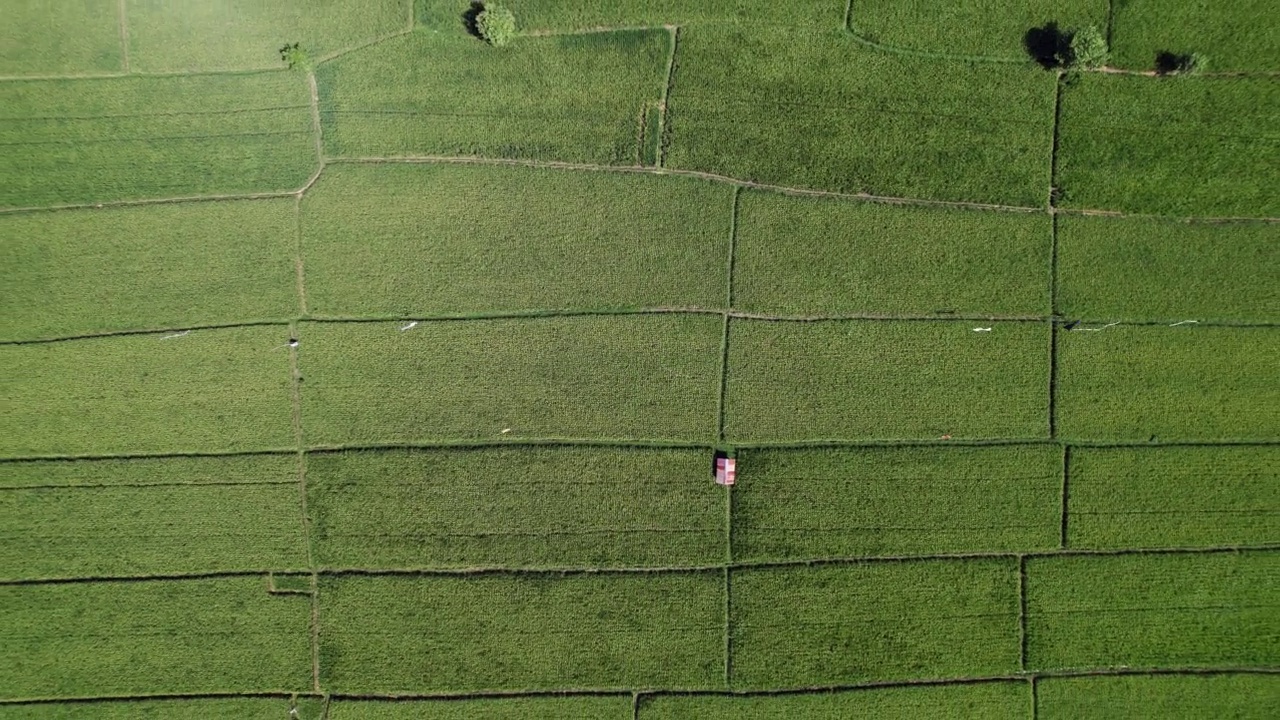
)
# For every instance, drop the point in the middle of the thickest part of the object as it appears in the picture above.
(388, 386)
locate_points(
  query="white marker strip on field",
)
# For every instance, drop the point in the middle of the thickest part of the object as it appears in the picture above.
(1098, 329)
(982, 329)
(176, 335)
(410, 326)
(1184, 322)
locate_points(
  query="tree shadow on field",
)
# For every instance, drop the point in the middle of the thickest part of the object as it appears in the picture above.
(469, 18)
(1047, 45)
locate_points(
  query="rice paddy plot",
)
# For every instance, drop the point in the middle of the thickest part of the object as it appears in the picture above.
(818, 256)
(405, 634)
(818, 110)
(1153, 611)
(994, 29)
(124, 138)
(76, 272)
(1161, 383)
(979, 701)
(139, 637)
(861, 502)
(652, 377)
(515, 507)
(1235, 36)
(208, 391)
(1174, 497)
(562, 15)
(1134, 697)
(68, 36)
(581, 707)
(1157, 269)
(211, 35)
(840, 624)
(577, 98)
(169, 709)
(886, 380)
(149, 516)
(1188, 146)
(452, 239)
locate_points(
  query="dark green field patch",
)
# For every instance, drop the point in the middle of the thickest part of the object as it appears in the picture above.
(1236, 35)
(810, 256)
(975, 28)
(387, 240)
(597, 377)
(212, 390)
(986, 701)
(843, 380)
(68, 36)
(1152, 611)
(860, 502)
(1143, 697)
(75, 272)
(398, 634)
(175, 709)
(562, 15)
(1159, 383)
(207, 35)
(1191, 146)
(152, 637)
(85, 141)
(515, 507)
(523, 708)
(457, 96)
(1174, 497)
(1152, 269)
(840, 624)
(149, 516)
(818, 110)
(144, 472)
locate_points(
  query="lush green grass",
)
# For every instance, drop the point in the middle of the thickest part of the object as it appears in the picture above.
(594, 377)
(388, 634)
(577, 98)
(524, 708)
(1152, 611)
(1174, 497)
(1139, 697)
(515, 507)
(987, 701)
(459, 239)
(886, 380)
(847, 502)
(158, 266)
(811, 256)
(204, 35)
(211, 390)
(1151, 269)
(84, 141)
(152, 637)
(979, 28)
(153, 516)
(1188, 146)
(1183, 383)
(841, 624)
(67, 36)
(175, 709)
(552, 15)
(818, 110)
(1237, 35)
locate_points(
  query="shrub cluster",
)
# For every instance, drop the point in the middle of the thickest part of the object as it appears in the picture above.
(496, 25)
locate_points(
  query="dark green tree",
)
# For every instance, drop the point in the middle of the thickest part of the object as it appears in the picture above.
(1087, 49)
